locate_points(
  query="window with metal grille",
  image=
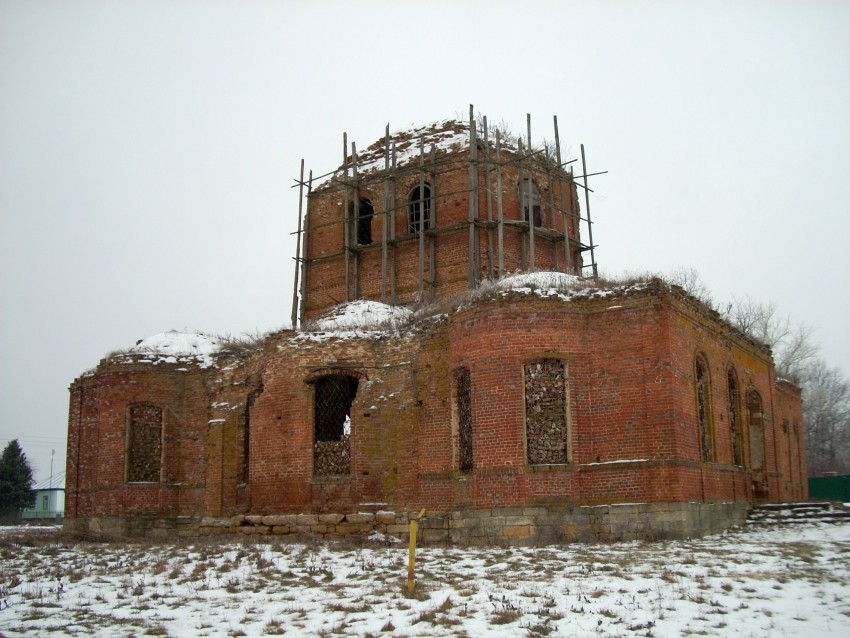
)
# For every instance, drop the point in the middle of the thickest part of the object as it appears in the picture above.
(144, 444)
(419, 209)
(463, 403)
(334, 395)
(546, 426)
(704, 416)
(529, 196)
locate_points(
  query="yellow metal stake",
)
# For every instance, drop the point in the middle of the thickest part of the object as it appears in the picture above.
(411, 562)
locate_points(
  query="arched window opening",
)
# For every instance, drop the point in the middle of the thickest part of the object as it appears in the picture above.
(144, 444)
(546, 426)
(755, 419)
(333, 397)
(419, 209)
(704, 416)
(363, 221)
(735, 425)
(463, 405)
(529, 197)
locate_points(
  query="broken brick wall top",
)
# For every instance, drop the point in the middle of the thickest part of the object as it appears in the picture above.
(445, 215)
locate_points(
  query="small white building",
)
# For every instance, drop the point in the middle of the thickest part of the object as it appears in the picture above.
(49, 505)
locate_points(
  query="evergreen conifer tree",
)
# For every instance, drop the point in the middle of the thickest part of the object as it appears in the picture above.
(16, 481)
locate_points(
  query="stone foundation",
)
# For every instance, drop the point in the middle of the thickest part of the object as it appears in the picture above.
(497, 526)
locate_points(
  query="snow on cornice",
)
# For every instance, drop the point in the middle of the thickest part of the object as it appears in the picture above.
(443, 135)
(173, 347)
(361, 318)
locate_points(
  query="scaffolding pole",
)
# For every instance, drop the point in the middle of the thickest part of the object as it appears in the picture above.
(421, 220)
(488, 189)
(303, 264)
(499, 207)
(298, 248)
(355, 213)
(568, 253)
(531, 260)
(432, 238)
(472, 278)
(386, 218)
(587, 213)
(550, 189)
(392, 225)
(346, 222)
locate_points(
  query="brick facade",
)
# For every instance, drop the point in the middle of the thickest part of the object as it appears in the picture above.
(604, 383)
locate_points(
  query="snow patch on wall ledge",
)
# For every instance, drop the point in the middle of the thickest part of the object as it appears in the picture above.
(361, 318)
(363, 314)
(174, 347)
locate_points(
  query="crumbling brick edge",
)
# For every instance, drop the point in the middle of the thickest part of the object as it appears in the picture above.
(496, 526)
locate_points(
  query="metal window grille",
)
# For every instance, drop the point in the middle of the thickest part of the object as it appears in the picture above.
(334, 395)
(144, 448)
(546, 412)
(463, 389)
(419, 209)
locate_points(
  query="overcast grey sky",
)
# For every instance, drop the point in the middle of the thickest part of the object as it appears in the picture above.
(147, 150)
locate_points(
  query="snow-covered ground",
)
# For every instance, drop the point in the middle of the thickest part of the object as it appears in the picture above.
(787, 581)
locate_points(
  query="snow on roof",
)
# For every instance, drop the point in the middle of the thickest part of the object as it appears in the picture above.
(560, 285)
(539, 280)
(443, 135)
(363, 315)
(175, 347)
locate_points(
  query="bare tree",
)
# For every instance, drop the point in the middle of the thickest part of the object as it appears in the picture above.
(826, 407)
(826, 391)
(791, 343)
(689, 279)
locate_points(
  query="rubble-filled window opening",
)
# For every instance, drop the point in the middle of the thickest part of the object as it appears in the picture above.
(144, 444)
(363, 221)
(546, 425)
(334, 395)
(755, 419)
(419, 209)
(463, 402)
(735, 418)
(529, 196)
(706, 424)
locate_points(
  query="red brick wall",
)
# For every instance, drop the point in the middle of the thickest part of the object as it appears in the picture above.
(96, 484)
(450, 183)
(633, 426)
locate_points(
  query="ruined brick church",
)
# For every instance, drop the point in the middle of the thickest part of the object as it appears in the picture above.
(423, 372)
